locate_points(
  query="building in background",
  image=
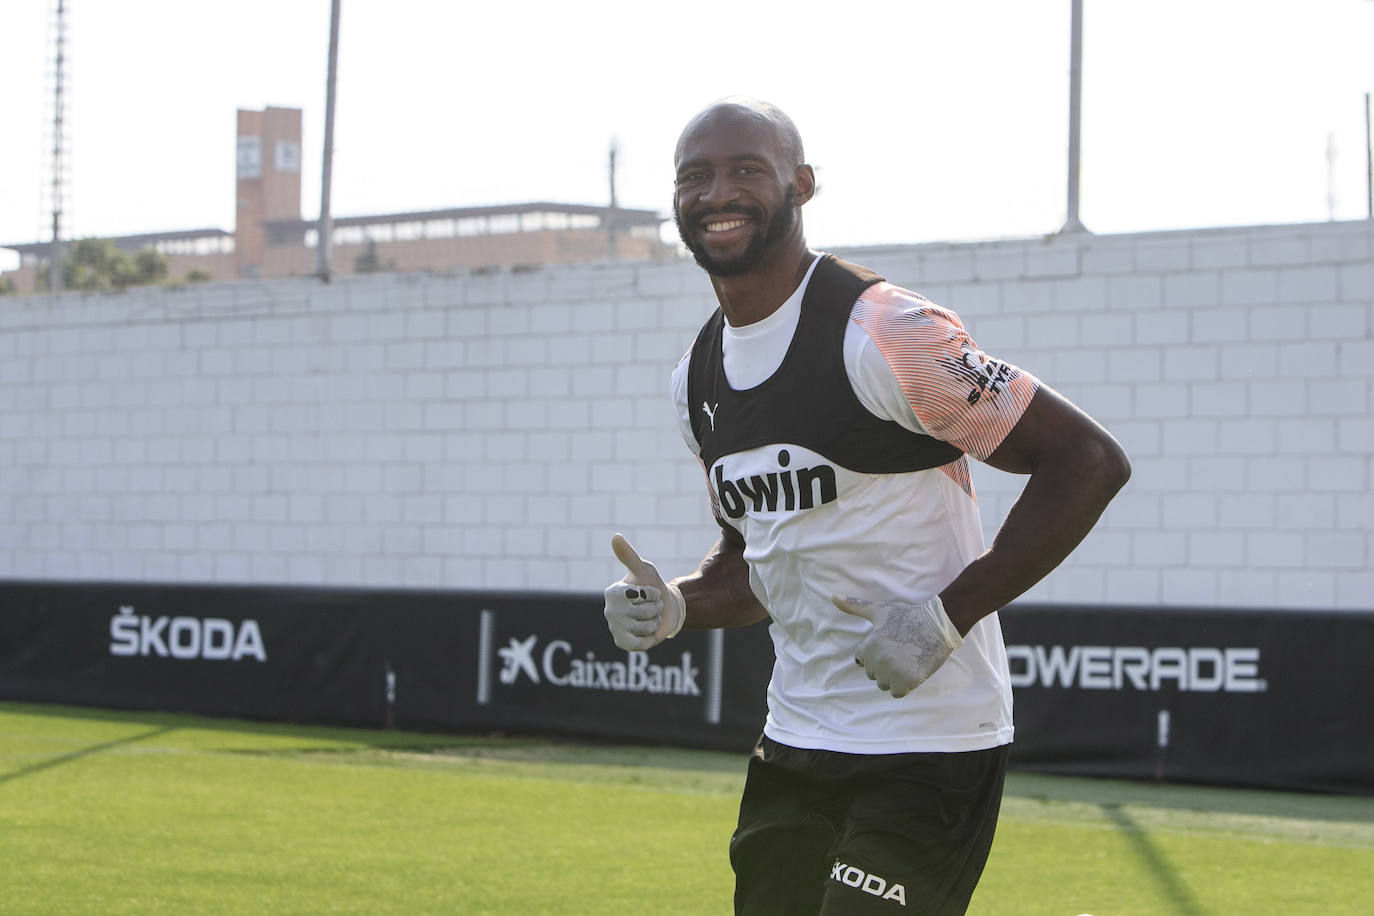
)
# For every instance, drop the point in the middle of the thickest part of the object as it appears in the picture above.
(267, 181)
(270, 239)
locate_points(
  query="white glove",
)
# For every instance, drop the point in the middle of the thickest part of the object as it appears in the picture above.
(641, 609)
(907, 644)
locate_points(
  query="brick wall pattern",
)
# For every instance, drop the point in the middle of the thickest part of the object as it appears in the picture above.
(492, 429)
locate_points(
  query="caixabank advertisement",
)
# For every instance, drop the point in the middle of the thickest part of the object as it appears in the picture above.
(528, 662)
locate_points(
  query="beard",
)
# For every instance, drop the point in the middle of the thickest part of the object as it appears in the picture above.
(759, 246)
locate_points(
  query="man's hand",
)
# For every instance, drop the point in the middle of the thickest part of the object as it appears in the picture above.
(907, 644)
(641, 609)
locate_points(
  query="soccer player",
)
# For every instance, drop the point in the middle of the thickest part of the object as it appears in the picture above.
(832, 413)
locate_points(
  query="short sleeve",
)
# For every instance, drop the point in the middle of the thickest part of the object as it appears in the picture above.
(957, 392)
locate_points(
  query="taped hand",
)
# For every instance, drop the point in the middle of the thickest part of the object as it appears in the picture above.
(907, 644)
(642, 609)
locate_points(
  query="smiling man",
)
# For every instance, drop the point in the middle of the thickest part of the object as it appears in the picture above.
(833, 413)
(718, 228)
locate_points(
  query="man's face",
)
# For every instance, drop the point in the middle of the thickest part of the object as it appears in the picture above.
(734, 199)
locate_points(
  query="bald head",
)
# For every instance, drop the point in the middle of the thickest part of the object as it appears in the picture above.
(744, 110)
(740, 184)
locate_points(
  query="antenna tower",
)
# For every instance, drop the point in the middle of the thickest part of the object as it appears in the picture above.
(55, 186)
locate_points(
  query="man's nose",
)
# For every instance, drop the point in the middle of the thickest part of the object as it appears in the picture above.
(719, 190)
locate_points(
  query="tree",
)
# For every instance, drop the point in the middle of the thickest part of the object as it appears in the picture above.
(96, 265)
(368, 262)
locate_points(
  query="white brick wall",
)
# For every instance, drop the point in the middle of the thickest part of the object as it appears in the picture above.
(492, 430)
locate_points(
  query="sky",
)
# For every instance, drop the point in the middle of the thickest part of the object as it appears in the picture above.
(926, 120)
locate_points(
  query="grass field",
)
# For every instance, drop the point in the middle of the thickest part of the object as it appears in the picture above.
(115, 812)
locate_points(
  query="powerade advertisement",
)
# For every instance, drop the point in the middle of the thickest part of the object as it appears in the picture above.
(1231, 697)
(1260, 698)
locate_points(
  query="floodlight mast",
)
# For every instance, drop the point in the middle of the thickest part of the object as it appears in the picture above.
(58, 151)
(1073, 223)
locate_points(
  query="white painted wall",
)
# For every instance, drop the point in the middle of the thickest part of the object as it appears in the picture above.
(493, 430)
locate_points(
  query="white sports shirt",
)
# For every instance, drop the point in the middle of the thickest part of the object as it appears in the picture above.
(888, 537)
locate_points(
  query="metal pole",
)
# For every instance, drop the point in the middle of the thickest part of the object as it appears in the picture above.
(1073, 223)
(610, 213)
(1330, 177)
(58, 188)
(326, 225)
(1368, 163)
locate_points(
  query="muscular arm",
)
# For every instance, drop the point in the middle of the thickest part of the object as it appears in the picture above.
(718, 593)
(1075, 469)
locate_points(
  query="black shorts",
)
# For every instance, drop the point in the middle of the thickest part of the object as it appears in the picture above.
(822, 832)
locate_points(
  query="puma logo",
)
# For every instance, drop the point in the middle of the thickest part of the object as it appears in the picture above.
(710, 413)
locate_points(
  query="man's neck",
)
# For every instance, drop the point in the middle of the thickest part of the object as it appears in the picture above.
(754, 296)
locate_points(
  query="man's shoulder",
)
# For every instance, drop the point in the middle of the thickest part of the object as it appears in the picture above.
(884, 296)
(684, 363)
(886, 305)
(678, 381)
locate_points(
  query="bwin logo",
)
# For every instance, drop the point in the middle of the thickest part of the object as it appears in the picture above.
(804, 488)
(213, 638)
(850, 876)
(517, 657)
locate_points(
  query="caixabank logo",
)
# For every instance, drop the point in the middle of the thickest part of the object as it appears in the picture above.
(548, 661)
(560, 668)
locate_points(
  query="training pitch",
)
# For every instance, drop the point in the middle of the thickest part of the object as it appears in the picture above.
(106, 812)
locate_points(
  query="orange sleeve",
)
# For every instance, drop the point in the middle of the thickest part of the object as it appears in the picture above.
(958, 392)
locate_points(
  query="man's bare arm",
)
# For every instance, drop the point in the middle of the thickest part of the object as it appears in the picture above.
(1075, 469)
(718, 593)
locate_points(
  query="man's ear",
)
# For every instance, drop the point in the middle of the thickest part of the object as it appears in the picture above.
(805, 183)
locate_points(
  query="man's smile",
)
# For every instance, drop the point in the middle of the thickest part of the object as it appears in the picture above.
(717, 224)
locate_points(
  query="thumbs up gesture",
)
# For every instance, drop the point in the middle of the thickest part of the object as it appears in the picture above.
(642, 610)
(907, 644)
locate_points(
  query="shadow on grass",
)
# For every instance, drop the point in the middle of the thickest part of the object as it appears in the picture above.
(60, 759)
(1185, 797)
(1180, 897)
(588, 753)
(175, 720)
(441, 745)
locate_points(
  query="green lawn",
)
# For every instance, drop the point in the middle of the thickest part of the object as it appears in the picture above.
(114, 812)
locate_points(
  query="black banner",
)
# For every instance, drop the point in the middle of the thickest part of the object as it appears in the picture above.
(535, 662)
(1257, 698)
